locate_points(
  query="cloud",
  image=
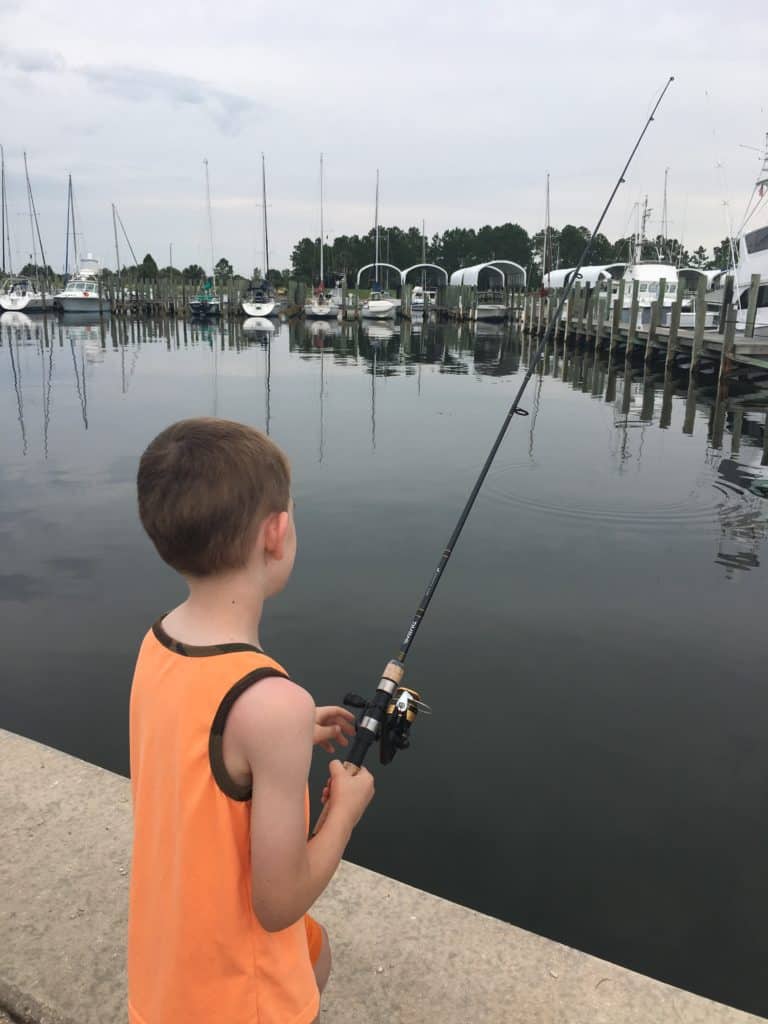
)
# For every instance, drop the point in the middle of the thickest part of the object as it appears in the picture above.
(228, 110)
(32, 61)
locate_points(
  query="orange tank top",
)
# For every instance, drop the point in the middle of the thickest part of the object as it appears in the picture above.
(196, 951)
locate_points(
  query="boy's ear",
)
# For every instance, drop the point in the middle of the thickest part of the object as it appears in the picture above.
(275, 531)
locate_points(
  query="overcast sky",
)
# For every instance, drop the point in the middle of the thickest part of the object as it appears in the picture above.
(463, 107)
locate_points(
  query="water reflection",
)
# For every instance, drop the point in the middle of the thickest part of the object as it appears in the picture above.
(642, 396)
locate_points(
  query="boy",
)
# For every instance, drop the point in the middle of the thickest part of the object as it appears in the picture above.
(221, 741)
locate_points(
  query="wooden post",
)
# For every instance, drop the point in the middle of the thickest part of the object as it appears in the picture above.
(738, 422)
(726, 355)
(690, 406)
(589, 313)
(666, 401)
(633, 311)
(674, 328)
(652, 325)
(764, 460)
(649, 394)
(602, 305)
(618, 306)
(754, 288)
(698, 329)
(727, 301)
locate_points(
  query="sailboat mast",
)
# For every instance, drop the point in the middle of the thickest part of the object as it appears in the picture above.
(376, 227)
(74, 226)
(2, 198)
(322, 226)
(117, 247)
(31, 220)
(546, 247)
(664, 214)
(266, 232)
(423, 254)
(210, 221)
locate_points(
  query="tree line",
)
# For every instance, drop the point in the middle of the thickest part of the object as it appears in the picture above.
(462, 247)
(454, 248)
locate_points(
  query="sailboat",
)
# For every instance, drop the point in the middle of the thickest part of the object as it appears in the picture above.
(380, 306)
(260, 300)
(321, 305)
(206, 303)
(22, 293)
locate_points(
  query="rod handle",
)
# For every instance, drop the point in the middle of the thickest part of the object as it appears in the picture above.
(353, 769)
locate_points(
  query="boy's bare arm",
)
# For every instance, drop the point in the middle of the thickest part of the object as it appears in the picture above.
(272, 726)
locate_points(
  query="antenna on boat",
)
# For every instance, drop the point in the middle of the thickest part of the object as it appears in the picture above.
(664, 220)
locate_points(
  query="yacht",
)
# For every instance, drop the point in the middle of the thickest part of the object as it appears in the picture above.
(81, 294)
(207, 303)
(20, 293)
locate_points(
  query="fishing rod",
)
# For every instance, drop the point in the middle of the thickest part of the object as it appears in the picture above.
(390, 713)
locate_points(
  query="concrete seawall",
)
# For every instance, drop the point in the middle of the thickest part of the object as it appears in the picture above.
(401, 955)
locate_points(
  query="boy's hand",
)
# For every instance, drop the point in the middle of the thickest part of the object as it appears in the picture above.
(333, 724)
(351, 793)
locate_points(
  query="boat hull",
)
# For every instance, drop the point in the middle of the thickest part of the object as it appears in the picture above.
(321, 311)
(491, 313)
(205, 310)
(81, 304)
(23, 303)
(378, 309)
(262, 309)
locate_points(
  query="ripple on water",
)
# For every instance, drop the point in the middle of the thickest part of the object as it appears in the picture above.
(707, 506)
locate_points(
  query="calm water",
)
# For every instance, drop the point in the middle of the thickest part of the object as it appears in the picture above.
(595, 769)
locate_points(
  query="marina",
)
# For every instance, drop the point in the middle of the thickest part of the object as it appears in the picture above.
(625, 531)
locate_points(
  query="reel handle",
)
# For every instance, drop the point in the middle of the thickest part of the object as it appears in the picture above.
(369, 726)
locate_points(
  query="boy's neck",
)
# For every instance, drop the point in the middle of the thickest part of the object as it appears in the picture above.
(222, 609)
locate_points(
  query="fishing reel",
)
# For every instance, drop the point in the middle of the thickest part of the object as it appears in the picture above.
(390, 722)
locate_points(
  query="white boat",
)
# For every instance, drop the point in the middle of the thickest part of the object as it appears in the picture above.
(422, 299)
(753, 255)
(260, 300)
(21, 294)
(380, 305)
(81, 292)
(321, 306)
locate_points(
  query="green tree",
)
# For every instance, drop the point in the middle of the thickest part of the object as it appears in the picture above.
(699, 258)
(193, 273)
(35, 270)
(224, 269)
(148, 268)
(721, 254)
(305, 260)
(571, 244)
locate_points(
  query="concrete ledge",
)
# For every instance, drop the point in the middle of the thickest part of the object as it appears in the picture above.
(401, 955)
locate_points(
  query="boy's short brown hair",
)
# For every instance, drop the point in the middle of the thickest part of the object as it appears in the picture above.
(204, 486)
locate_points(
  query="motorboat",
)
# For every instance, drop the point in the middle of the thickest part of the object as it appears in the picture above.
(22, 294)
(82, 292)
(422, 299)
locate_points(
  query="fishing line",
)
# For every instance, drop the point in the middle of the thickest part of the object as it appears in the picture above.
(388, 716)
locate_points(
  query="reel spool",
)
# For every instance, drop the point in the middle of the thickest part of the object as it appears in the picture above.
(399, 716)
